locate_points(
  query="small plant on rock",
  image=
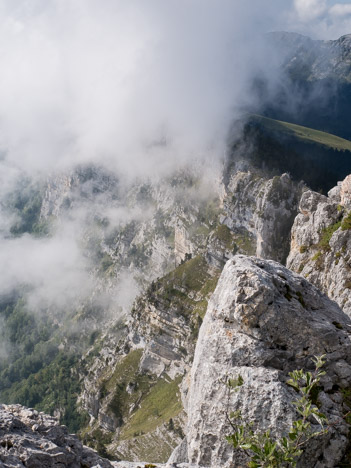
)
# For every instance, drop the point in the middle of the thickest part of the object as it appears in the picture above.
(261, 447)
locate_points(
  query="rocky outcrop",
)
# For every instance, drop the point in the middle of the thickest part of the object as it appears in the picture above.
(321, 242)
(182, 244)
(262, 322)
(34, 440)
(141, 376)
(260, 212)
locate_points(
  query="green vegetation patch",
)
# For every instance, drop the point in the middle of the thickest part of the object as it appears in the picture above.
(191, 275)
(303, 133)
(125, 369)
(224, 235)
(210, 211)
(346, 222)
(126, 374)
(160, 405)
(107, 265)
(36, 372)
(316, 256)
(246, 243)
(55, 386)
(326, 235)
(186, 289)
(98, 441)
(141, 401)
(26, 202)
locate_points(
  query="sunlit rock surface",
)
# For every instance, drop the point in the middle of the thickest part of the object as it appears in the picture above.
(321, 242)
(261, 211)
(262, 322)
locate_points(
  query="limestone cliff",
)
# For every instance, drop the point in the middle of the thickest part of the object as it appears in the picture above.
(158, 338)
(261, 212)
(133, 388)
(146, 227)
(262, 322)
(173, 240)
(321, 242)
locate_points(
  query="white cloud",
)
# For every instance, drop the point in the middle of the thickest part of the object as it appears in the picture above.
(340, 9)
(90, 80)
(108, 84)
(320, 19)
(54, 267)
(308, 10)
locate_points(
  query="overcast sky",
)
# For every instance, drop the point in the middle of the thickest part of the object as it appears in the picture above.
(326, 19)
(113, 80)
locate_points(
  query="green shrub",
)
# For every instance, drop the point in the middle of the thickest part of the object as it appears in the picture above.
(261, 447)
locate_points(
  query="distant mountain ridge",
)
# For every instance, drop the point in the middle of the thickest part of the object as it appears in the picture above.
(314, 88)
(319, 59)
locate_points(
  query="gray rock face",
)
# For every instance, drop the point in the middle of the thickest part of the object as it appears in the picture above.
(67, 190)
(34, 440)
(262, 322)
(161, 335)
(164, 322)
(320, 59)
(144, 227)
(321, 242)
(261, 211)
(182, 243)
